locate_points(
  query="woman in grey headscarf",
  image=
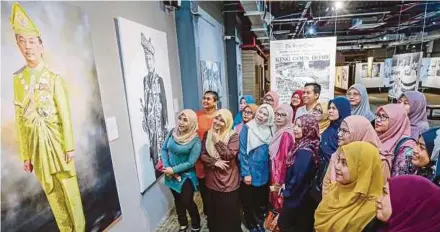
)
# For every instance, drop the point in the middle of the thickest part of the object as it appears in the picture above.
(360, 105)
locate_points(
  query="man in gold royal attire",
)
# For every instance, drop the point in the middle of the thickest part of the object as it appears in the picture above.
(44, 126)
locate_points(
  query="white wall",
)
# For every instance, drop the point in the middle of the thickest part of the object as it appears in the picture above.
(211, 47)
(139, 213)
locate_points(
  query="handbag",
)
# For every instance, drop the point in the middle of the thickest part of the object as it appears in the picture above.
(271, 221)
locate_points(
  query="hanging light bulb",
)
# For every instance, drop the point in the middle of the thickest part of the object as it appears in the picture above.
(338, 5)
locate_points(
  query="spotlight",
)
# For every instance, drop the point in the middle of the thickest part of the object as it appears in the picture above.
(311, 30)
(338, 5)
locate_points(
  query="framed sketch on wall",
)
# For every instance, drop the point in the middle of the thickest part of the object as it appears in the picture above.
(145, 65)
(211, 78)
(430, 72)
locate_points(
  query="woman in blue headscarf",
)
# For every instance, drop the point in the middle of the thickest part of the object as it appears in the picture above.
(338, 109)
(426, 155)
(244, 101)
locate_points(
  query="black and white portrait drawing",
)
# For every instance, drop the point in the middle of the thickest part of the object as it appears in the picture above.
(144, 56)
(153, 104)
(211, 77)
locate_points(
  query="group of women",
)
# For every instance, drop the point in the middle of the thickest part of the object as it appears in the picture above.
(339, 168)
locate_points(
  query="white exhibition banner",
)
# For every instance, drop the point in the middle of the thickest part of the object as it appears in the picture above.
(299, 61)
(430, 72)
(405, 73)
(341, 78)
(370, 76)
(146, 71)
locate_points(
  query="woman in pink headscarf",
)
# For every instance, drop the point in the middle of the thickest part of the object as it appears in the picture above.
(394, 130)
(280, 148)
(271, 98)
(353, 128)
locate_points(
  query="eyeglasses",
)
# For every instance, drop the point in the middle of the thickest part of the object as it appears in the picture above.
(280, 115)
(381, 118)
(267, 100)
(343, 131)
(317, 111)
(247, 112)
(353, 94)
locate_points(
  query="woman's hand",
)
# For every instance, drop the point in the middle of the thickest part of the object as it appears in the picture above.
(248, 180)
(222, 164)
(168, 171)
(215, 137)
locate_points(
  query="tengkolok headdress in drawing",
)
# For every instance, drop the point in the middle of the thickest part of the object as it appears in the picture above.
(146, 44)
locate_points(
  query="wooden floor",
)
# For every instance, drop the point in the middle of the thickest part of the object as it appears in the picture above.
(170, 224)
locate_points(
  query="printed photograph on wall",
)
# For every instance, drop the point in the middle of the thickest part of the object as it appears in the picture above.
(387, 71)
(364, 73)
(211, 77)
(405, 73)
(145, 65)
(430, 72)
(375, 71)
(297, 62)
(57, 172)
(342, 77)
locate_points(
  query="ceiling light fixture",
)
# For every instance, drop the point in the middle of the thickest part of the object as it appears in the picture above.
(338, 5)
(311, 30)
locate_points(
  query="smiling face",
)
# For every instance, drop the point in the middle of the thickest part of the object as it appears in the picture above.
(209, 101)
(309, 96)
(384, 209)
(281, 117)
(31, 47)
(297, 129)
(382, 122)
(354, 97)
(333, 113)
(268, 99)
(262, 116)
(342, 171)
(343, 134)
(317, 112)
(405, 103)
(183, 123)
(219, 123)
(295, 100)
(247, 114)
(420, 156)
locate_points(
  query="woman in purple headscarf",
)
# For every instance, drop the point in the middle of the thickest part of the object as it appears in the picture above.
(409, 204)
(415, 106)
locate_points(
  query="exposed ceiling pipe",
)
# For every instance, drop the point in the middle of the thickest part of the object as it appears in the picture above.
(417, 40)
(350, 15)
(306, 8)
(281, 21)
(253, 46)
